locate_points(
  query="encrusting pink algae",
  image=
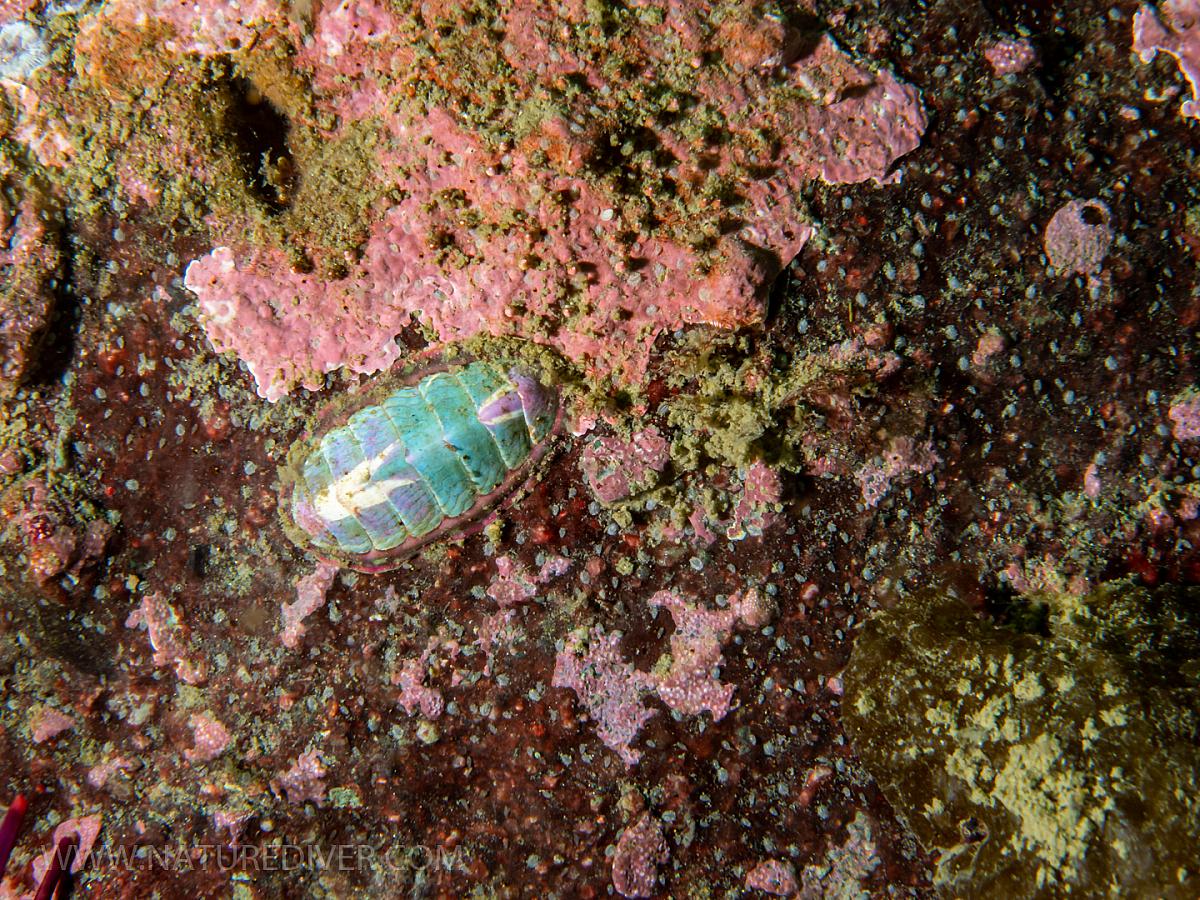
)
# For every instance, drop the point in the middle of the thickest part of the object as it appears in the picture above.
(590, 207)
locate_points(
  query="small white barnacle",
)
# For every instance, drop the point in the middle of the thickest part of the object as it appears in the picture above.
(22, 51)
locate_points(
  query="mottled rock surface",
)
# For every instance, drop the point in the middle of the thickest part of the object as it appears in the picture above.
(1061, 761)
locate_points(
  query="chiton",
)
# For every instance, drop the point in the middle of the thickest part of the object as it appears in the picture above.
(382, 474)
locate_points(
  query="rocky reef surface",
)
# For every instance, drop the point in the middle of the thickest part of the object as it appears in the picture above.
(861, 564)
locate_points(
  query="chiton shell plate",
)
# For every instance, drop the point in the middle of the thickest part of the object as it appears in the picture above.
(404, 462)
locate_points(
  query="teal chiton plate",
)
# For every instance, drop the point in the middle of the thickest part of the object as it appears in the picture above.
(383, 473)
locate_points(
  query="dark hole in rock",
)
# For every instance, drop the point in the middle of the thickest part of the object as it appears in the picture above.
(260, 132)
(1029, 15)
(973, 831)
(1056, 47)
(197, 561)
(1011, 610)
(55, 345)
(620, 156)
(854, 92)
(1093, 216)
(777, 292)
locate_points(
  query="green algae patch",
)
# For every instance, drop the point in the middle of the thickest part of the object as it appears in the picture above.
(734, 409)
(1039, 765)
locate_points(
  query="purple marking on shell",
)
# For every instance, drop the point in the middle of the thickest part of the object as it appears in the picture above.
(500, 408)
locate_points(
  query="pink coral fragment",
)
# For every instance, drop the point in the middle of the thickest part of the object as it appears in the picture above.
(903, 458)
(414, 693)
(773, 876)
(512, 584)
(209, 738)
(641, 849)
(303, 781)
(232, 821)
(47, 722)
(613, 691)
(758, 503)
(1010, 56)
(1185, 413)
(99, 775)
(310, 596)
(990, 345)
(690, 685)
(616, 469)
(495, 631)
(85, 829)
(753, 512)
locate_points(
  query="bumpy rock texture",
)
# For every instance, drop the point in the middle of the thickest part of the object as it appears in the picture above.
(1039, 764)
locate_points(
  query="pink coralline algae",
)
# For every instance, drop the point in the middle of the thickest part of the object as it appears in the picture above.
(991, 344)
(609, 688)
(206, 29)
(617, 469)
(773, 876)
(85, 829)
(209, 739)
(1078, 237)
(414, 693)
(812, 781)
(303, 782)
(310, 596)
(99, 775)
(47, 722)
(689, 685)
(232, 822)
(613, 691)
(169, 638)
(591, 221)
(903, 458)
(756, 503)
(494, 632)
(641, 849)
(1185, 414)
(514, 584)
(1009, 56)
(1176, 33)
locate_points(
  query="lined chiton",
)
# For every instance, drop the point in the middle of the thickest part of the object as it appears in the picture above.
(381, 475)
